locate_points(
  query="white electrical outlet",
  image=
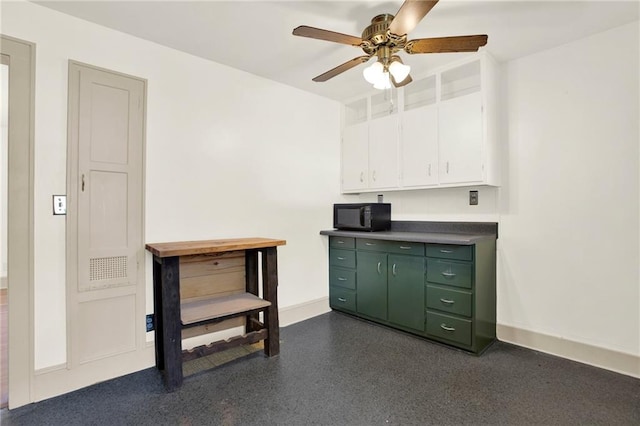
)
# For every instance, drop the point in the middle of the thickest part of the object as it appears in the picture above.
(59, 204)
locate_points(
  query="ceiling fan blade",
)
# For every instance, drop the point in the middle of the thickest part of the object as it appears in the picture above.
(410, 14)
(404, 82)
(469, 43)
(341, 68)
(320, 34)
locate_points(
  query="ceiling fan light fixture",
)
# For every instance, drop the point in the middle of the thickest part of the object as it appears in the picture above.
(373, 73)
(399, 71)
(383, 82)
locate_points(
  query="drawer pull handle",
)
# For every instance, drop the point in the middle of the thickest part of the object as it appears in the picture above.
(339, 242)
(369, 244)
(340, 258)
(405, 248)
(344, 279)
(446, 251)
(448, 274)
(447, 301)
(341, 299)
(379, 270)
(445, 328)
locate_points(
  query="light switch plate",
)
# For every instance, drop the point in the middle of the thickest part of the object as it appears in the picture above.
(59, 204)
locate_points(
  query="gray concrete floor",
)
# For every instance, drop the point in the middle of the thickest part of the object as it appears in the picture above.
(338, 370)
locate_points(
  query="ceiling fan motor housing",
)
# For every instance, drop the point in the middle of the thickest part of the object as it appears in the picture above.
(376, 33)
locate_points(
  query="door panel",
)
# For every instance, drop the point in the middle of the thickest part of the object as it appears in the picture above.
(109, 124)
(372, 284)
(406, 291)
(111, 334)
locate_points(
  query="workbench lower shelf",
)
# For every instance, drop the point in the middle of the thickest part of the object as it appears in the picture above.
(212, 309)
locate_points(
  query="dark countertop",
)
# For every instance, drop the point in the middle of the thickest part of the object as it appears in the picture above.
(416, 237)
(462, 233)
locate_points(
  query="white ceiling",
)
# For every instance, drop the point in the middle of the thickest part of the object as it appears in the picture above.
(255, 36)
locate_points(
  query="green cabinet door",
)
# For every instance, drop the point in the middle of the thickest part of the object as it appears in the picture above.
(406, 291)
(372, 284)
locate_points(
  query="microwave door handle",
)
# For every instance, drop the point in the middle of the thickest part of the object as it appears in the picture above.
(362, 216)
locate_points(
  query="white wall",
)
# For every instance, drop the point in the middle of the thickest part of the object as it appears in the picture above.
(228, 154)
(569, 210)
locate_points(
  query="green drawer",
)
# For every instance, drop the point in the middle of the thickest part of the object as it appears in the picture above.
(447, 327)
(449, 251)
(449, 300)
(342, 242)
(372, 245)
(344, 258)
(340, 298)
(401, 247)
(340, 277)
(456, 274)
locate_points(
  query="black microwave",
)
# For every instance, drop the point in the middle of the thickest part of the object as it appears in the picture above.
(362, 216)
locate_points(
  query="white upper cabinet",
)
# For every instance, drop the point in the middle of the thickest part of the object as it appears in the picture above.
(419, 137)
(383, 141)
(355, 146)
(438, 131)
(460, 139)
(355, 142)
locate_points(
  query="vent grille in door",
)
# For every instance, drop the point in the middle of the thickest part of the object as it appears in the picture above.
(105, 268)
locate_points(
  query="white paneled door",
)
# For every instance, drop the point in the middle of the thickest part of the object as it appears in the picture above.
(105, 251)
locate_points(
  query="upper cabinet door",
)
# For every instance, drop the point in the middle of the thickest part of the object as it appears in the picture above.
(355, 148)
(460, 139)
(420, 147)
(383, 152)
(383, 141)
(419, 135)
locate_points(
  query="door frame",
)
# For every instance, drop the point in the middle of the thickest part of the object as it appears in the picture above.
(21, 58)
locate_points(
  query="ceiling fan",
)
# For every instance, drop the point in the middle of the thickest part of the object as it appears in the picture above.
(387, 36)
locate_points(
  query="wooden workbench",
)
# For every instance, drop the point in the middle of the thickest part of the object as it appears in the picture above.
(178, 309)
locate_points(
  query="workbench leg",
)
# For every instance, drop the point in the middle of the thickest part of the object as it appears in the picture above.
(251, 273)
(171, 322)
(270, 290)
(157, 309)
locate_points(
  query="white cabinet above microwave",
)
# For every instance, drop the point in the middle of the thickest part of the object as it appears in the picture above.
(438, 131)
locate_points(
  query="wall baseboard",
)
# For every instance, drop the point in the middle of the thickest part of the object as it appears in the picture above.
(597, 356)
(303, 311)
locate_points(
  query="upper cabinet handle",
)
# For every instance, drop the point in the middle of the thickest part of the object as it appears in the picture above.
(83, 182)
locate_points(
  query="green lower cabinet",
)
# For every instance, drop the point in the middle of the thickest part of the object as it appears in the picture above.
(442, 292)
(372, 284)
(406, 291)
